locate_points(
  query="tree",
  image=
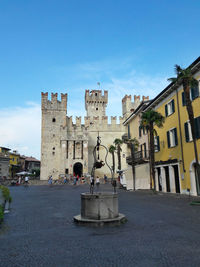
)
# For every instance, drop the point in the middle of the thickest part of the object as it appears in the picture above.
(148, 120)
(185, 77)
(133, 145)
(118, 142)
(112, 151)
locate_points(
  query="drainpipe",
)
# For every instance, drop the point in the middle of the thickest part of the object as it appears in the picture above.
(179, 123)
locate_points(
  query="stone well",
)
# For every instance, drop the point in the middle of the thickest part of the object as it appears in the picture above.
(99, 208)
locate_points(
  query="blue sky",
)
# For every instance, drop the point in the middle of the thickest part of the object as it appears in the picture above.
(129, 46)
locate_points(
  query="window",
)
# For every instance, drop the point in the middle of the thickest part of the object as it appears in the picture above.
(169, 108)
(197, 127)
(54, 120)
(140, 134)
(172, 137)
(156, 143)
(96, 108)
(183, 99)
(188, 132)
(194, 93)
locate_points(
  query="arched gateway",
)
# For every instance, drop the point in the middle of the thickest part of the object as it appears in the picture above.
(78, 169)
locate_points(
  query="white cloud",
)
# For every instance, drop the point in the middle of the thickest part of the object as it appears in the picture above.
(21, 129)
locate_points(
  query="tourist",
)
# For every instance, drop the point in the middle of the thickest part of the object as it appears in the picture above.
(91, 184)
(75, 179)
(105, 179)
(50, 180)
(26, 180)
(97, 183)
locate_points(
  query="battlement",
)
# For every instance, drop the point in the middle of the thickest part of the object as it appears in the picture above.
(126, 98)
(145, 98)
(96, 95)
(54, 103)
(96, 102)
(128, 106)
(96, 121)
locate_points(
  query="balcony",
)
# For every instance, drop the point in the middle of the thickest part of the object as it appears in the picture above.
(139, 157)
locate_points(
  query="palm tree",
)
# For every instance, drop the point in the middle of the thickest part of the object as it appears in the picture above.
(118, 142)
(133, 145)
(112, 151)
(185, 77)
(148, 120)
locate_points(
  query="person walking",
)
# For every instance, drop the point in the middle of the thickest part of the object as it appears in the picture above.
(91, 184)
(26, 180)
(97, 183)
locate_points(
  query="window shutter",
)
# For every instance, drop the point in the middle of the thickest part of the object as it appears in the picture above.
(158, 143)
(186, 132)
(145, 150)
(175, 136)
(197, 127)
(173, 109)
(183, 99)
(168, 139)
(194, 92)
(139, 131)
(166, 111)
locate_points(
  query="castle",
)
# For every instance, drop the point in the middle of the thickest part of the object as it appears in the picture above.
(67, 148)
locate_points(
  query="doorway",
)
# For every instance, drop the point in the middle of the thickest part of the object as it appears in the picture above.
(78, 169)
(167, 178)
(176, 177)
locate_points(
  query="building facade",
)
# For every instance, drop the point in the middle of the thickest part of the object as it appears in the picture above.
(141, 153)
(67, 147)
(174, 157)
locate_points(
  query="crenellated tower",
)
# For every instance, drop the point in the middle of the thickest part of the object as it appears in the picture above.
(96, 103)
(52, 131)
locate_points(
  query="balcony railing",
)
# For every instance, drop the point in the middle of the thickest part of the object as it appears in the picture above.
(139, 157)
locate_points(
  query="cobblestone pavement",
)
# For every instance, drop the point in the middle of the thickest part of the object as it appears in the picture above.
(162, 230)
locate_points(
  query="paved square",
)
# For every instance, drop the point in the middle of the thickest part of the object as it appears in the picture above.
(162, 230)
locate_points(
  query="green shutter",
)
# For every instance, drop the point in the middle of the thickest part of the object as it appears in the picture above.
(173, 108)
(139, 131)
(166, 111)
(197, 127)
(186, 132)
(158, 143)
(194, 92)
(168, 139)
(175, 135)
(183, 99)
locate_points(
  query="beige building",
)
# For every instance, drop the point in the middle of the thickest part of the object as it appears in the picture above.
(67, 147)
(141, 156)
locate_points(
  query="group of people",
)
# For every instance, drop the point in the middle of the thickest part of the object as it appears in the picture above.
(20, 180)
(76, 179)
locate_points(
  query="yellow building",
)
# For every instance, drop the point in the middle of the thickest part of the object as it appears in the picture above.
(175, 156)
(14, 163)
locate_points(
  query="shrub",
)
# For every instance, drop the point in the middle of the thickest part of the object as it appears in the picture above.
(6, 193)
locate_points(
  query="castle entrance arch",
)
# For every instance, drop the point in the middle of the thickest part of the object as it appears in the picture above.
(78, 169)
